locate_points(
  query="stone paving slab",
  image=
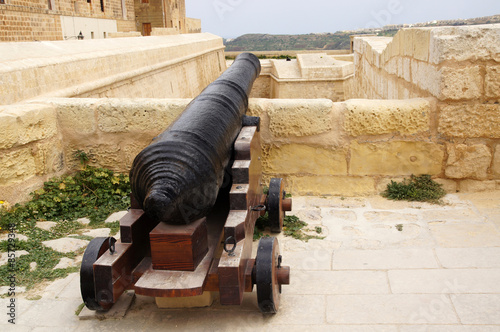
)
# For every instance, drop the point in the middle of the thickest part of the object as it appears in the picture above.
(338, 282)
(441, 272)
(478, 308)
(405, 258)
(465, 235)
(451, 258)
(445, 281)
(390, 309)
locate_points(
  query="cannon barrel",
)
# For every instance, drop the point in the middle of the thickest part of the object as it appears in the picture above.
(177, 177)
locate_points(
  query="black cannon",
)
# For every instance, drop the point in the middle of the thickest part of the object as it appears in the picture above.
(176, 179)
(184, 234)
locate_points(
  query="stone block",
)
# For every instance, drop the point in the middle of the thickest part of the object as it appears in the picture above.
(332, 185)
(460, 83)
(472, 43)
(421, 41)
(468, 161)
(76, 116)
(471, 186)
(450, 186)
(395, 158)
(496, 161)
(22, 124)
(377, 117)
(303, 159)
(426, 76)
(492, 82)
(17, 166)
(138, 115)
(296, 118)
(470, 121)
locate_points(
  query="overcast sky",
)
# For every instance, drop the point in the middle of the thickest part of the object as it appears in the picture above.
(233, 18)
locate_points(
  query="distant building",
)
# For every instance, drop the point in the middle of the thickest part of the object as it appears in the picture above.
(32, 20)
(170, 14)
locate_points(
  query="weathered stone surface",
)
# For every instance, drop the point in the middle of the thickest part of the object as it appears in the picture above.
(496, 161)
(303, 159)
(492, 82)
(22, 124)
(465, 235)
(471, 186)
(395, 158)
(469, 121)
(17, 166)
(478, 309)
(104, 232)
(389, 309)
(332, 185)
(64, 263)
(115, 216)
(297, 118)
(376, 117)
(46, 225)
(137, 115)
(4, 256)
(461, 83)
(65, 245)
(387, 259)
(464, 43)
(468, 161)
(76, 116)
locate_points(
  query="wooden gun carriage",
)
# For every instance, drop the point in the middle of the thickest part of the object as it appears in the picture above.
(196, 195)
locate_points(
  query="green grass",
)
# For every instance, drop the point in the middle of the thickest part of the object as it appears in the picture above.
(417, 188)
(292, 226)
(93, 193)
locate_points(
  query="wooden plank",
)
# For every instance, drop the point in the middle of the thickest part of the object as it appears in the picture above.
(235, 225)
(179, 247)
(239, 196)
(242, 145)
(108, 269)
(240, 171)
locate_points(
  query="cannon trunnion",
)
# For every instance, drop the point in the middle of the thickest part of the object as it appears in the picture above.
(196, 195)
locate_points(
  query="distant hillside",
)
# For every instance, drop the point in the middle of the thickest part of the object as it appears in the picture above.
(332, 41)
(265, 42)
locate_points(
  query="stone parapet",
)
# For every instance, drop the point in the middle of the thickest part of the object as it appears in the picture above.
(319, 147)
(182, 64)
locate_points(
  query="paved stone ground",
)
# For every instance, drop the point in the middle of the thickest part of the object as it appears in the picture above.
(383, 266)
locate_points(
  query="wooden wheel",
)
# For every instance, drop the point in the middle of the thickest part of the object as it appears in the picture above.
(275, 210)
(95, 249)
(266, 275)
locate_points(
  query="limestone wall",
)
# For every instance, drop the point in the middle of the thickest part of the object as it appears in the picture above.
(310, 76)
(160, 67)
(458, 68)
(319, 147)
(24, 20)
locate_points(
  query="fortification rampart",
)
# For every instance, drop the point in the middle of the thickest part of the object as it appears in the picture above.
(182, 65)
(442, 118)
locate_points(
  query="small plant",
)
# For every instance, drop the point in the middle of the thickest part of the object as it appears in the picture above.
(81, 156)
(292, 226)
(417, 188)
(399, 227)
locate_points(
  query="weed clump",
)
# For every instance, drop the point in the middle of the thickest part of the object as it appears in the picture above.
(417, 188)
